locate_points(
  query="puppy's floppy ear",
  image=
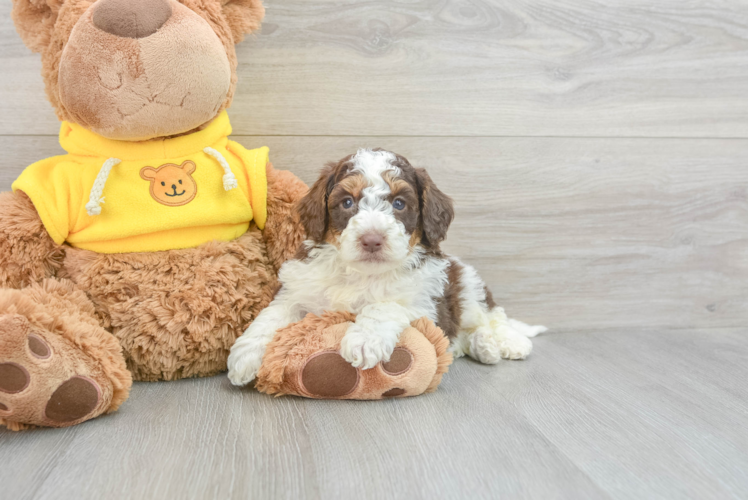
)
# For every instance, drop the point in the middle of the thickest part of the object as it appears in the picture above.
(35, 21)
(312, 208)
(437, 210)
(243, 16)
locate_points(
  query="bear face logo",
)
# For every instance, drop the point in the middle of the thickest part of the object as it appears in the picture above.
(172, 185)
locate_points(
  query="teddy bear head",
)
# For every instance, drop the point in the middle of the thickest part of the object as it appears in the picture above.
(137, 69)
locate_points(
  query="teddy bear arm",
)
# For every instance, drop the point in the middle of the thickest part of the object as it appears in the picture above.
(283, 232)
(27, 252)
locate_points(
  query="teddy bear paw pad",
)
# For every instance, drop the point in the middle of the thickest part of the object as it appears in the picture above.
(73, 400)
(393, 393)
(328, 375)
(400, 362)
(13, 378)
(38, 347)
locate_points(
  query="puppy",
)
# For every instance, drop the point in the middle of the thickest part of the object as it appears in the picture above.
(374, 224)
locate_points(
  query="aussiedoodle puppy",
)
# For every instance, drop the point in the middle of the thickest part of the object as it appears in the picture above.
(374, 224)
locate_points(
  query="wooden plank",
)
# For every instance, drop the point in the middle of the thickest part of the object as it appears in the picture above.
(619, 414)
(571, 233)
(487, 67)
(644, 413)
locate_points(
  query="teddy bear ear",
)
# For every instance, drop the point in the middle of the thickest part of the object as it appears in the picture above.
(188, 167)
(148, 173)
(243, 16)
(35, 21)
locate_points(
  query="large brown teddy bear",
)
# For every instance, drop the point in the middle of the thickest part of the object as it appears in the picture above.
(150, 247)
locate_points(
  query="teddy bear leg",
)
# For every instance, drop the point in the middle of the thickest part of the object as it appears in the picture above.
(283, 232)
(58, 367)
(304, 359)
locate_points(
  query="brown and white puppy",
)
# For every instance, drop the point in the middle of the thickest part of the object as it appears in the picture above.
(374, 224)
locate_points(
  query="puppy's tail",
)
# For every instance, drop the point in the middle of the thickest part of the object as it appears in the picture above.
(525, 329)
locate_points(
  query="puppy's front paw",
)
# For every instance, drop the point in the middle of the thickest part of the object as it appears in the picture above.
(365, 348)
(245, 360)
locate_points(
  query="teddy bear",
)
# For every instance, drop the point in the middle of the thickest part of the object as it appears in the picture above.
(146, 250)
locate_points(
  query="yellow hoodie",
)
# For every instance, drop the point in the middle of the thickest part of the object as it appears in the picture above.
(115, 196)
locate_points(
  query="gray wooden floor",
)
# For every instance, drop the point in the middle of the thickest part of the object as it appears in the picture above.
(598, 155)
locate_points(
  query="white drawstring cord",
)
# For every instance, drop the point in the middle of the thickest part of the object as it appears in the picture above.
(95, 199)
(229, 180)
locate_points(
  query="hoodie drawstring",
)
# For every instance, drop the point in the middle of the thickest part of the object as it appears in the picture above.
(95, 199)
(229, 180)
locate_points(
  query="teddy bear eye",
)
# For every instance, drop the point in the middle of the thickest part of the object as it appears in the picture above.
(180, 181)
(163, 183)
(398, 204)
(348, 203)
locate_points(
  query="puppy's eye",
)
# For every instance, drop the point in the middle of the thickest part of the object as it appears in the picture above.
(398, 204)
(347, 203)
(163, 184)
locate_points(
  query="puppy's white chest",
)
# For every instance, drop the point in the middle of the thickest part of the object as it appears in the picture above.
(318, 285)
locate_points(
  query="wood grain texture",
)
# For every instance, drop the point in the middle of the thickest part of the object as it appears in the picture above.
(468, 67)
(571, 233)
(624, 414)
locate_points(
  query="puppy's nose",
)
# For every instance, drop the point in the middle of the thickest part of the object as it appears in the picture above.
(372, 242)
(131, 18)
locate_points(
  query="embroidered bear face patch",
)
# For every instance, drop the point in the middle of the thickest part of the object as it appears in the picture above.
(172, 185)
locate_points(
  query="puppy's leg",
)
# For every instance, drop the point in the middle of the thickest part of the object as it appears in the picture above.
(373, 336)
(247, 352)
(486, 334)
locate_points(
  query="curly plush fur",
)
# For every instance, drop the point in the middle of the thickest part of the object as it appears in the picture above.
(177, 313)
(28, 252)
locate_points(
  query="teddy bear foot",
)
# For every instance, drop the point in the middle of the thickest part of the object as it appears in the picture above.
(45, 380)
(304, 359)
(327, 375)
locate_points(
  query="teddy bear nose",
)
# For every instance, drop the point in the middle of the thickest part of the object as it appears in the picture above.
(131, 18)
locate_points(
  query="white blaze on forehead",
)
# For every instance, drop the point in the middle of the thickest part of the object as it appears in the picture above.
(375, 215)
(373, 165)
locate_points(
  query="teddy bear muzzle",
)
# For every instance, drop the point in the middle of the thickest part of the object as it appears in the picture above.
(138, 69)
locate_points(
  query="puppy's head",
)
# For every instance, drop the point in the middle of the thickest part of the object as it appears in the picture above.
(376, 209)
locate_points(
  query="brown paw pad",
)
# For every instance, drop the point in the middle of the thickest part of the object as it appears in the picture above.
(328, 375)
(73, 400)
(400, 362)
(13, 378)
(3, 408)
(38, 347)
(393, 392)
